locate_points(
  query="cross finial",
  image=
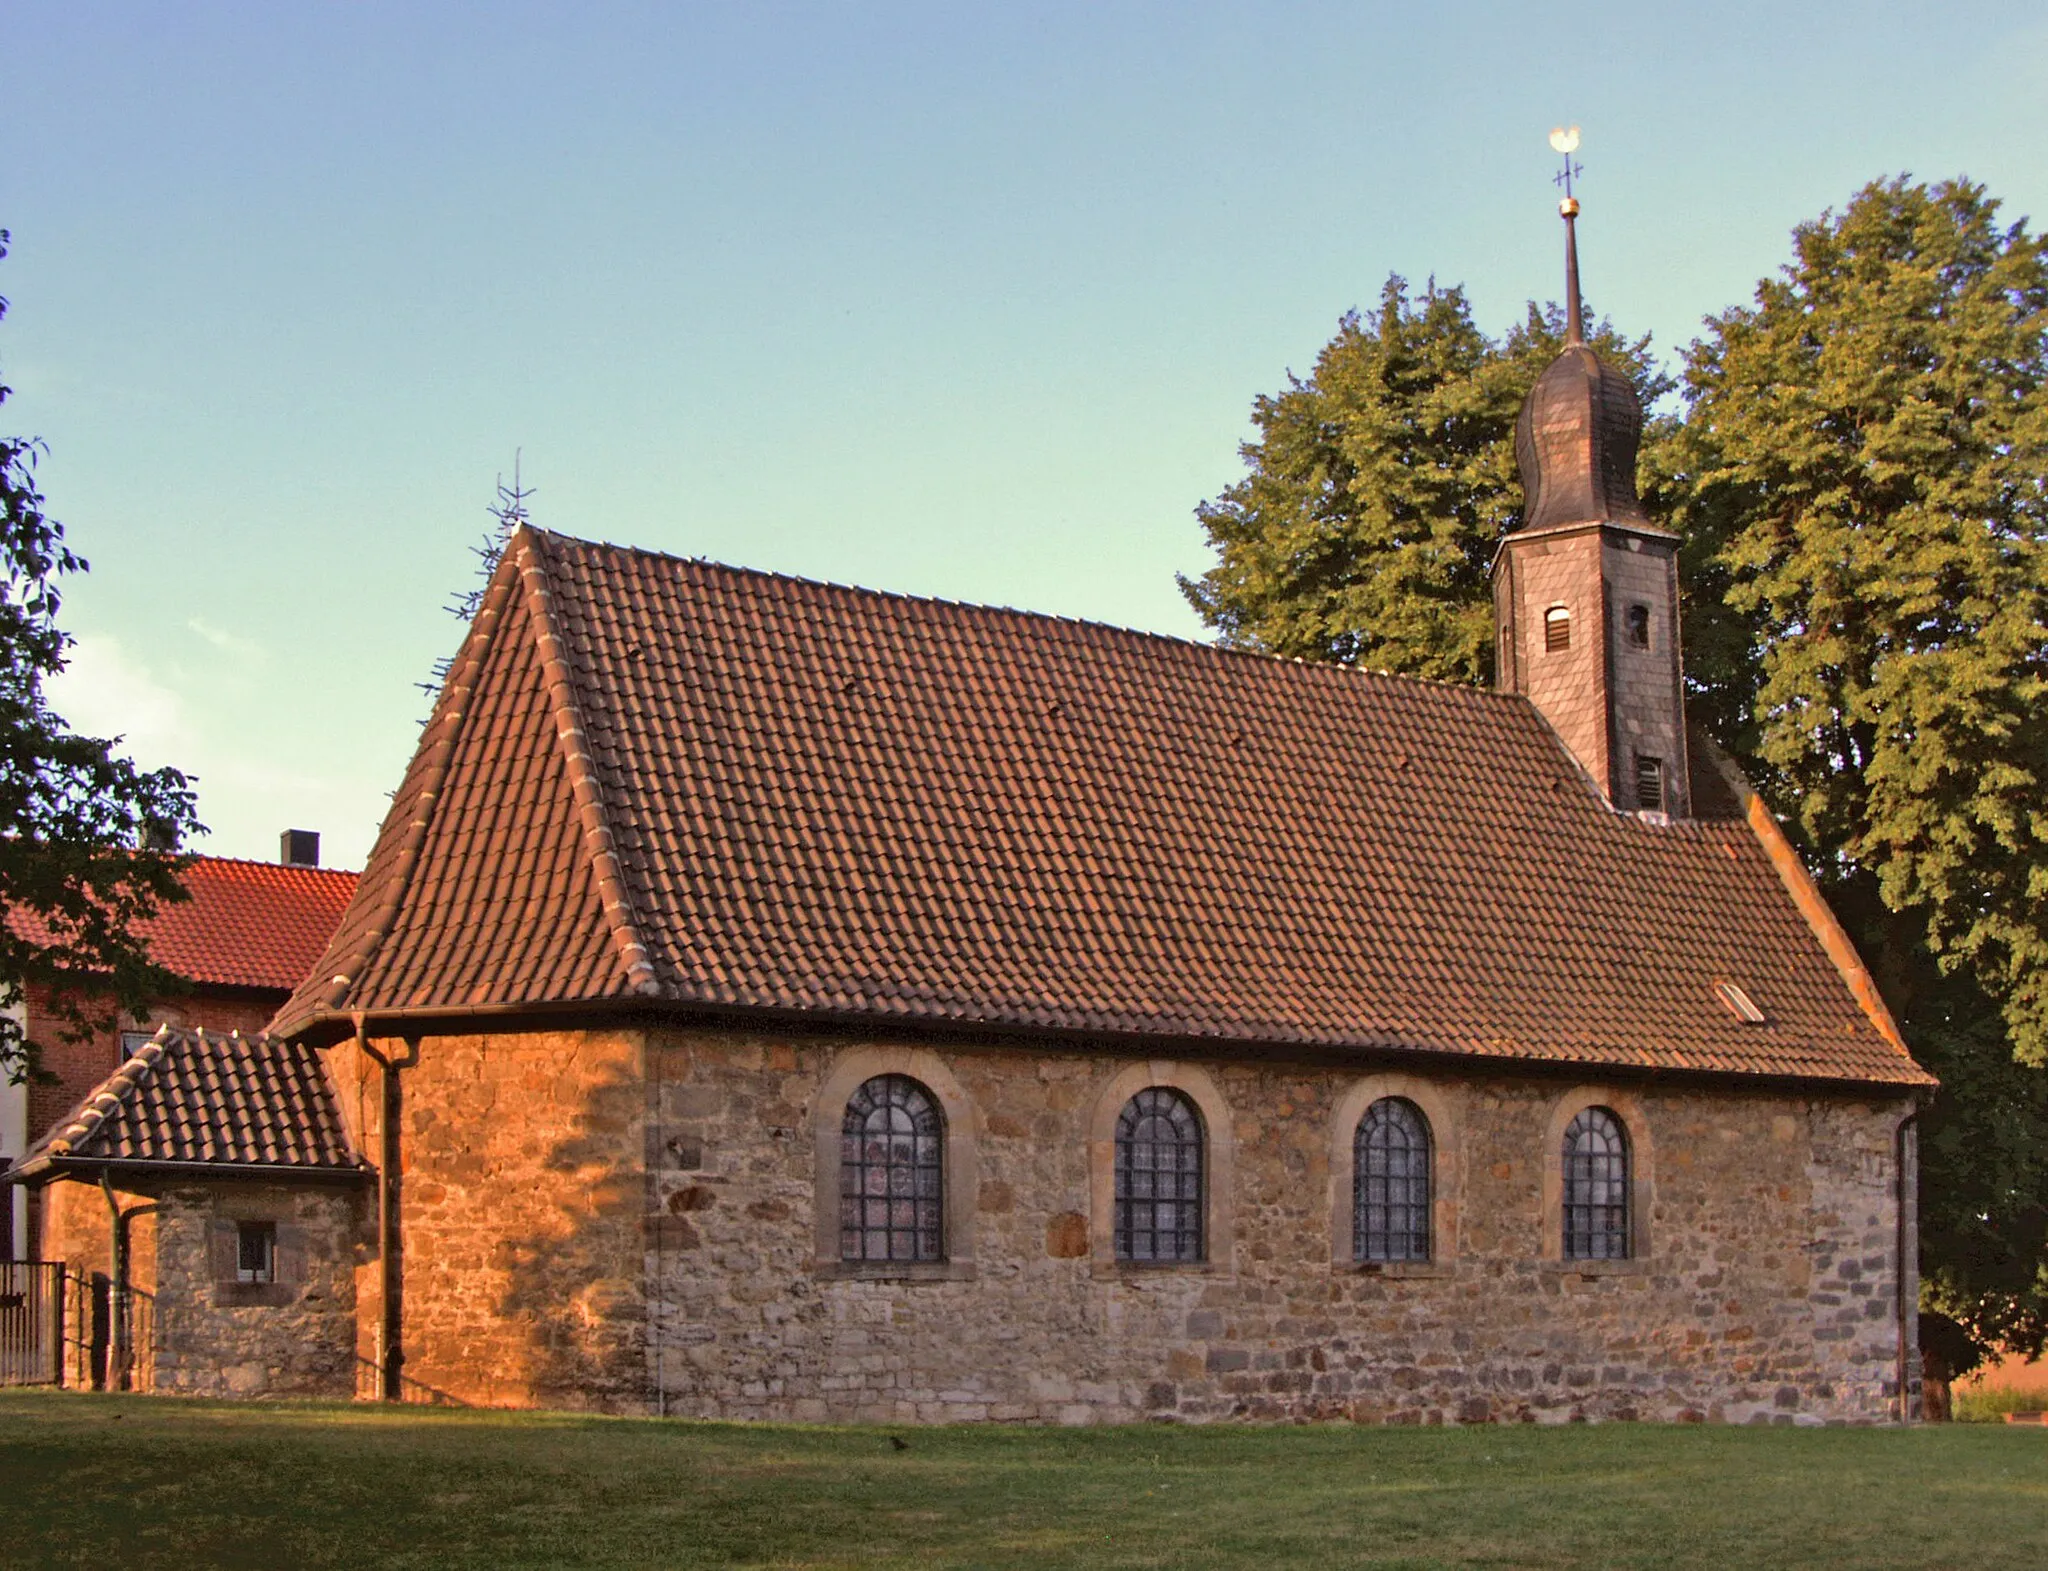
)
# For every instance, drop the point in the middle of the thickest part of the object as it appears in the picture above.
(1565, 140)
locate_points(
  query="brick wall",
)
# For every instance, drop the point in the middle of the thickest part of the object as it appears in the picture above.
(79, 1066)
(547, 1264)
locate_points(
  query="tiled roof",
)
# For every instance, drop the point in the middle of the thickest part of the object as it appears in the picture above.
(652, 778)
(248, 924)
(191, 1096)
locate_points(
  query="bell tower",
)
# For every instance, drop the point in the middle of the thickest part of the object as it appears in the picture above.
(1585, 592)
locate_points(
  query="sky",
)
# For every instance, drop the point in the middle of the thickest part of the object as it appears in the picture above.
(965, 300)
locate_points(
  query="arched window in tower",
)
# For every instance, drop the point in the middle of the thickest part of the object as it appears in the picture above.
(1557, 629)
(1638, 623)
(891, 1173)
(1596, 1187)
(1649, 783)
(1159, 1161)
(1390, 1182)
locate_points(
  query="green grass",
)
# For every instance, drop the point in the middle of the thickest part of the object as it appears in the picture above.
(135, 1482)
(1990, 1404)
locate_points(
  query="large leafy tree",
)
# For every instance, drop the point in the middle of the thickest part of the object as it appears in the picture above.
(1864, 464)
(85, 835)
(1861, 474)
(1377, 488)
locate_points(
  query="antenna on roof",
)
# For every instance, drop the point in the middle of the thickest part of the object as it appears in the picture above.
(1565, 141)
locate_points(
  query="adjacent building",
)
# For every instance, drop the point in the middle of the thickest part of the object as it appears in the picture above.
(247, 936)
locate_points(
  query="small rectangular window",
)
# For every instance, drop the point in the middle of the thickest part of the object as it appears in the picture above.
(1557, 629)
(1639, 626)
(256, 1252)
(1649, 783)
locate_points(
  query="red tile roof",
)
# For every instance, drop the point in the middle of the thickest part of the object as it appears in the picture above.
(195, 1096)
(659, 779)
(249, 924)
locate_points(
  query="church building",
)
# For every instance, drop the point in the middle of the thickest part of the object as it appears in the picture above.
(775, 1000)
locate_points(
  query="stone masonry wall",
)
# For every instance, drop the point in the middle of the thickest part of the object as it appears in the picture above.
(1765, 1291)
(1569, 685)
(200, 1332)
(521, 1212)
(291, 1337)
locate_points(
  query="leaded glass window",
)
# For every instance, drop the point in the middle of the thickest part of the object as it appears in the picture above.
(1159, 1178)
(891, 1173)
(1596, 1201)
(1390, 1183)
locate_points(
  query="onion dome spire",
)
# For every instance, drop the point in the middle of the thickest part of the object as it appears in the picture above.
(1582, 423)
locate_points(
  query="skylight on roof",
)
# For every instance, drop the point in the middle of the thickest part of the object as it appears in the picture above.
(1739, 1004)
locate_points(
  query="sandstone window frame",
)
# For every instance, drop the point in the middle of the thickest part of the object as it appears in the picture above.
(1446, 1143)
(1635, 1129)
(853, 1068)
(1219, 1170)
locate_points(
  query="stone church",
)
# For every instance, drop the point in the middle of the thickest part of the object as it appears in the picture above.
(775, 1000)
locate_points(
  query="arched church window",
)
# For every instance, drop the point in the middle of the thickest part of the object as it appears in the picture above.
(1638, 621)
(1159, 1162)
(1390, 1198)
(1557, 629)
(891, 1173)
(1649, 783)
(1596, 1187)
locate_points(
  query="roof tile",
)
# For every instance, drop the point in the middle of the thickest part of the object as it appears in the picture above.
(196, 1096)
(829, 799)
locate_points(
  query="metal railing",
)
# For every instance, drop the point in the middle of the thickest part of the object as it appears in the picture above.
(32, 1322)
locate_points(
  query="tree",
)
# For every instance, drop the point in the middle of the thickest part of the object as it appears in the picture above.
(86, 837)
(1865, 464)
(510, 512)
(1379, 486)
(1861, 477)
(1868, 447)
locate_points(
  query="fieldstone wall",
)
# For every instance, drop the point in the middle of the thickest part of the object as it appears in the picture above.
(521, 1211)
(1766, 1288)
(202, 1333)
(630, 1223)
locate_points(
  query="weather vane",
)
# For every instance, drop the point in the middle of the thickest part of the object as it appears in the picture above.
(1565, 139)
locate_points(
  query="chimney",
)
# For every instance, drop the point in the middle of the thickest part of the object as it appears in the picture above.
(299, 848)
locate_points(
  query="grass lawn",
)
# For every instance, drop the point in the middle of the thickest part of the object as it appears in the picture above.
(108, 1481)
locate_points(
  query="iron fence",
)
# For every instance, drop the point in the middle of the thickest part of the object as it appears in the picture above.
(32, 1322)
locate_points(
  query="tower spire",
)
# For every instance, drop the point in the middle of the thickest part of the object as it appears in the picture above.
(1566, 140)
(1585, 591)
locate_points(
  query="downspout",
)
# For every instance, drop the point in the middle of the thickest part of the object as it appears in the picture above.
(121, 1373)
(1907, 1153)
(390, 1264)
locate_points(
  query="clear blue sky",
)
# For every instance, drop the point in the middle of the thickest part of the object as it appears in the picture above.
(968, 300)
